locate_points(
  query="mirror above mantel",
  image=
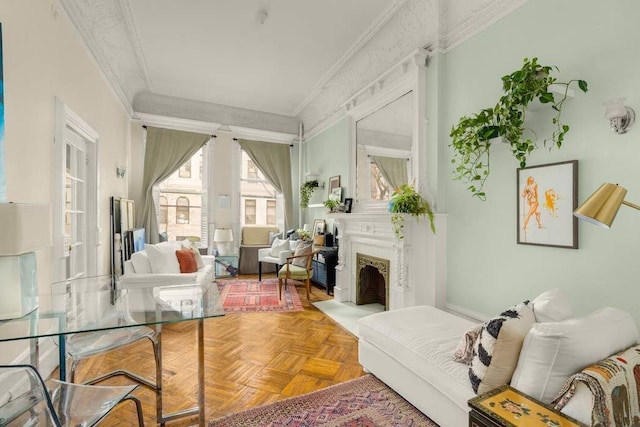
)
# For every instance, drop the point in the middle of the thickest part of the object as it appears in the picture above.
(387, 135)
(383, 154)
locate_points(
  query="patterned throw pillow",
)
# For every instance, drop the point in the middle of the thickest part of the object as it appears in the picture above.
(303, 248)
(187, 261)
(496, 351)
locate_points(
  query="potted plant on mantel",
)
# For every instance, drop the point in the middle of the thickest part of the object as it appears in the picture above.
(306, 190)
(472, 136)
(406, 200)
(331, 204)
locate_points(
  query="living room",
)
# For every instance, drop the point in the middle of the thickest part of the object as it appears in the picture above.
(470, 46)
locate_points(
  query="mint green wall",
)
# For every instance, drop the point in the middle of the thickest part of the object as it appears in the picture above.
(327, 154)
(487, 270)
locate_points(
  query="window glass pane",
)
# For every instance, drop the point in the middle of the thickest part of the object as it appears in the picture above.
(180, 211)
(185, 170)
(271, 212)
(379, 184)
(258, 197)
(249, 211)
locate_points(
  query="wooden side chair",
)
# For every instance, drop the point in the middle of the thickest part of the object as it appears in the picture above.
(296, 271)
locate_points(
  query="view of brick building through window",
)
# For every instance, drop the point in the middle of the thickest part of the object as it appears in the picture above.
(258, 198)
(180, 201)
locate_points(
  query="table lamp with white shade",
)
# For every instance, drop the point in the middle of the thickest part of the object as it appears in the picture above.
(223, 238)
(25, 228)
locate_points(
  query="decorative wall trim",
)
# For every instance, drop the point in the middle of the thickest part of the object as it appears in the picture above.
(178, 123)
(262, 135)
(369, 33)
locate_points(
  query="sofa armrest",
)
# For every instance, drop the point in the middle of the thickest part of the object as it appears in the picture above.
(264, 252)
(128, 281)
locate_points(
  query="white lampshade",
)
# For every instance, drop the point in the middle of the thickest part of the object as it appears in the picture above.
(26, 227)
(223, 235)
(614, 108)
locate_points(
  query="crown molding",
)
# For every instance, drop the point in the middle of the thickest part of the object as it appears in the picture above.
(369, 33)
(186, 125)
(102, 23)
(438, 25)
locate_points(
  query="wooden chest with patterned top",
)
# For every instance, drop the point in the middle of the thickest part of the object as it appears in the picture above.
(508, 407)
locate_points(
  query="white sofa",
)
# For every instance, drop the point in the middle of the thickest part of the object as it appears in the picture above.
(139, 271)
(411, 350)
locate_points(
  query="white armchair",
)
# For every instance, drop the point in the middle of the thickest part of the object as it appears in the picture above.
(268, 255)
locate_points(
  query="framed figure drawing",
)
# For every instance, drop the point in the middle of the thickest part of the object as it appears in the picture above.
(547, 196)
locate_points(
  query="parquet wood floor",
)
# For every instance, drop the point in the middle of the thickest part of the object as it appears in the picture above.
(250, 359)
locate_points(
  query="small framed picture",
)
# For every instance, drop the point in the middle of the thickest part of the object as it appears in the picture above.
(334, 182)
(547, 196)
(318, 226)
(348, 203)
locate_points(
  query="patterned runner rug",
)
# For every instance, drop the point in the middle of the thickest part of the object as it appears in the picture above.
(250, 296)
(363, 402)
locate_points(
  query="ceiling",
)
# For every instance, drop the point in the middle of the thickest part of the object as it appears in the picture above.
(283, 60)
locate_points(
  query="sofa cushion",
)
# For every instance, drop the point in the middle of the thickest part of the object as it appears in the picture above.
(187, 261)
(162, 258)
(496, 351)
(302, 249)
(278, 246)
(552, 306)
(140, 261)
(553, 351)
(422, 338)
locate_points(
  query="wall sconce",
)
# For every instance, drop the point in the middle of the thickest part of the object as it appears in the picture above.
(602, 206)
(620, 116)
(121, 172)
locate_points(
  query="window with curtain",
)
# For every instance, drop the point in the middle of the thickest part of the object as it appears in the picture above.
(180, 201)
(260, 203)
(379, 186)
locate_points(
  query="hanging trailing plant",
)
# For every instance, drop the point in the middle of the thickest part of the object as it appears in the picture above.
(472, 136)
(306, 190)
(406, 200)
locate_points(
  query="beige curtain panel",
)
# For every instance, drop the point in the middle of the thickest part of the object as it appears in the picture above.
(166, 150)
(394, 169)
(274, 161)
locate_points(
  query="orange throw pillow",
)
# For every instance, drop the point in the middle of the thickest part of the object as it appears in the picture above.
(187, 261)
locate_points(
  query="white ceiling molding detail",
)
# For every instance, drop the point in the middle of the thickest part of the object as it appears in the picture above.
(103, 28)
(169, 106)
(262, 135)
(178, 124)
(359, 44)
(437, 24)
(114, 35)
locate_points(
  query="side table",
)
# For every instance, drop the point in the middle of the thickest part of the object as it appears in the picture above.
(226, 265)
(508, 407)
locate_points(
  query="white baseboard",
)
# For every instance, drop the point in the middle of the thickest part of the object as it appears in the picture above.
(466, 313)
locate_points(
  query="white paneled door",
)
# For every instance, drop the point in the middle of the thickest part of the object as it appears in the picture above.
(75, 197)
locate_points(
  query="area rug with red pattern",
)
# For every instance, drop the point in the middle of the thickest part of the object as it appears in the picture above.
(363, 402)
(250, 296)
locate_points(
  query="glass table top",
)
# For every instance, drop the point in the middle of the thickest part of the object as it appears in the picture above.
(92, 304)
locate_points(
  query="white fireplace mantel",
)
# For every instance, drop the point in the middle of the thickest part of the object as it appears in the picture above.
(417, 262)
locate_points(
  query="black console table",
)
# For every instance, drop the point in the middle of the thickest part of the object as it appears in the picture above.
(324, 267)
